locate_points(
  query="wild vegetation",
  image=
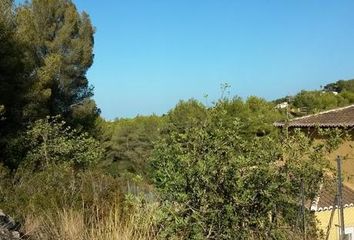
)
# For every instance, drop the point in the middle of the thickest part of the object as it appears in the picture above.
(332, 95)
(198, 172)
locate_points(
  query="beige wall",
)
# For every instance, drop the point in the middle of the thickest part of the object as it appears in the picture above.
(324, 216)
(346, 150)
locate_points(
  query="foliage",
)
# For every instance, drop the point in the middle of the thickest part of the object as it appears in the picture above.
(332, 95)
(12, 82)
(314, 101)
(59, 170)
(186, 113)
(256, 114)
(337, 94)
(60, 174)
(333, 137)
(52, 142)
(340, 86)
(221, 172)
(58, 50)
(128, 143)
(216, 183)
(46, 48)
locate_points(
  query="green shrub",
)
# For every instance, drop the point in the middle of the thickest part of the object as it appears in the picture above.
(51, 141)
(217, 183)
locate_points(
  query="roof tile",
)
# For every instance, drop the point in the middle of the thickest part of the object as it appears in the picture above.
(339, 117)
(327, 197)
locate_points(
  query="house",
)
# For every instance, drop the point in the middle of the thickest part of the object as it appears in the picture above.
(324, 205)
(282, 105)
(335, 118)
(327, 213)
(342, 118)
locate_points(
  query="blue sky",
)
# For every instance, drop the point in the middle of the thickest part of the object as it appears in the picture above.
(149, 54)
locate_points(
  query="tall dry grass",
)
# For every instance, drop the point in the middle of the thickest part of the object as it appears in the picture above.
(71, 224)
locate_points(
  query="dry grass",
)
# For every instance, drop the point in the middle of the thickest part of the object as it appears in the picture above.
(72, 224)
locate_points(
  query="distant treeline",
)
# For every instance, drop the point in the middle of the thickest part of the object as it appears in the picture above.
(129, 142)
(332, 95)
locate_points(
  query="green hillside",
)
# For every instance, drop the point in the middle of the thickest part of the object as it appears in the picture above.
(332, 95)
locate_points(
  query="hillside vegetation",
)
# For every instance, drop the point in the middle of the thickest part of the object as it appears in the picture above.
(332, 95)
(198, 172)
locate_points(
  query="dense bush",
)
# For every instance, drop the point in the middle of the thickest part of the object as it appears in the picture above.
(215, 182)
(51, 141)
(57, 171)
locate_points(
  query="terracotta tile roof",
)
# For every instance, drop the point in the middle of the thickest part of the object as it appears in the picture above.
(339, 117)
(326, 197)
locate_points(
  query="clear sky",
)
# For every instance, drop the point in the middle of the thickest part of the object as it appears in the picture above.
(149, 54)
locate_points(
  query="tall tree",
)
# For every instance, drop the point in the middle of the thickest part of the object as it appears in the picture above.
(59, 51)
(12, 84)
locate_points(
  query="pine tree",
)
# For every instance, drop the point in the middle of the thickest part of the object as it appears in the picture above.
(12, 83)
(59, 51)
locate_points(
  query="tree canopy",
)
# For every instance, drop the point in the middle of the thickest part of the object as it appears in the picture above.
(58, 47)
